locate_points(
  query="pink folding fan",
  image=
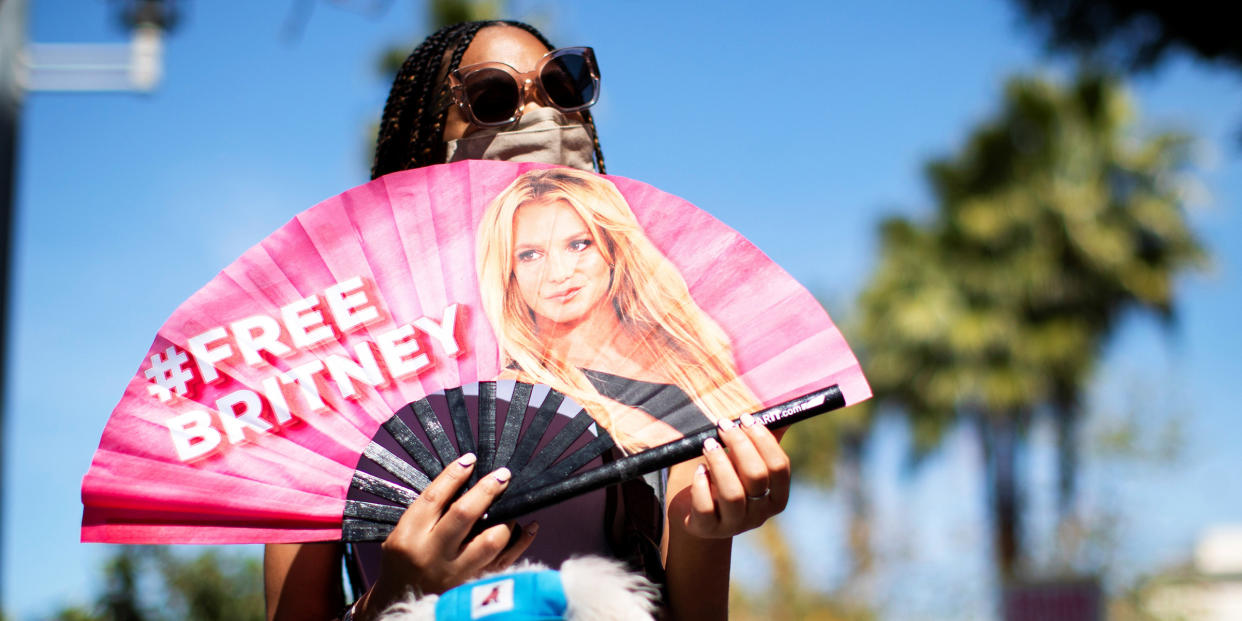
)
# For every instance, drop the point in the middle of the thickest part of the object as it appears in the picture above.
(579, 329)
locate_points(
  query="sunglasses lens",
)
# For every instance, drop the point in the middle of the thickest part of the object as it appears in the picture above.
(493, 95)
(568, 81)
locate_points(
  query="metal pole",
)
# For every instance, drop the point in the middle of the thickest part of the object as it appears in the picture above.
(12, 41)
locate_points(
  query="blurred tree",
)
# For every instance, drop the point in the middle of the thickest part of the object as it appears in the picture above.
(787, 597)
(1138, 34)
(826, 451)
(208, 587)
(212, 586)
(441, 13)
(1054, 219)
(120, 599)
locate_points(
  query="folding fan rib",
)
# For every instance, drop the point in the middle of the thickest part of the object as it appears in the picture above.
(397, 466)
(529, 440)
(406, 215)
(486, 416)
(413, 447)
(372, 484)
(458, 222)
(331, 436)
(460, 416)
(556, 447)
(778, 374)
(237, 532)
(309, 272)
(685, 234)
(763, 284)
(516, 403)
(415, 211)
(295, 284)
(270, 459)
(203, 312)
(373, 512)
(574, 461)
(343, 255)
(484, 183)
(454, 231)
(372, 213)
(121, 481)
(561, 463)
(143, 433)
(96, 529)
(340, 412)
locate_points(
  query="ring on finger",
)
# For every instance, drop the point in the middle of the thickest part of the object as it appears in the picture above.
(766, 492)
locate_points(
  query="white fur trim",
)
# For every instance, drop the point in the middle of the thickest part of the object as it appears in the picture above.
(412, 608)
(600, 589)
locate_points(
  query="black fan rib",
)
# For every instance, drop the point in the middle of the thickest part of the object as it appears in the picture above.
(487, 426)
(459, 414)
(373, 512)
(524, 445)
(513, 423)
(575, 460)
(540, 479)
(400, 469)
(354, 529)
(413, 446)
(555, 447)
(384, 489)
(534, 432)
(435, 431)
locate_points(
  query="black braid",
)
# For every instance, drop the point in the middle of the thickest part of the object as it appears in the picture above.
(411, 133)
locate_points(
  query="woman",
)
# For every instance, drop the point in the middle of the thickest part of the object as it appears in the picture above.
(435, 110)
(582, 301)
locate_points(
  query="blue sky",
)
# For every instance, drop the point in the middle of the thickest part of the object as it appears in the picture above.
(799, 124)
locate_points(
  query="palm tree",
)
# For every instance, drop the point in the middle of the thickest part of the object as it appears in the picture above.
(151, 583)
(1053, 220)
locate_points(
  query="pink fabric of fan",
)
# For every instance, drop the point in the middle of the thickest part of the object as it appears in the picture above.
(387, 268)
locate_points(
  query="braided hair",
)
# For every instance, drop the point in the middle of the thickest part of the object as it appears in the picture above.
(411, 133)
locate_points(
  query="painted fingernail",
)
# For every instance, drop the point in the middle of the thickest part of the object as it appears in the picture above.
(467, 460)
(710, 445)
(532, 528)
(727, 424)
(502, 475)
(749, 421)
(701, 471)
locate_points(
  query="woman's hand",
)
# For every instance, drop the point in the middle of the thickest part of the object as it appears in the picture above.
(430, 550)
(738, 489)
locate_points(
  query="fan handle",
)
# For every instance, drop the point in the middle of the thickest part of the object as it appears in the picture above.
(650, 460)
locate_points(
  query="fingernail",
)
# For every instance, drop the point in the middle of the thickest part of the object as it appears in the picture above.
(532, 528)
(502, 475)
(467, 460)
(749, 421)
(710, 445)
(727, 424)
(700, 471)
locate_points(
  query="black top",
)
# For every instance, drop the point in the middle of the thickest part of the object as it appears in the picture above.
(666, 402)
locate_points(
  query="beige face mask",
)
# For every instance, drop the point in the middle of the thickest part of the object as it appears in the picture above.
(544, 135)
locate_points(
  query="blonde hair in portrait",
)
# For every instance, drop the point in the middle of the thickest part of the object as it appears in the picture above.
(646, 291)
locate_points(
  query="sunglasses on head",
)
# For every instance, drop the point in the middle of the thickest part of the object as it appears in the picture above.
(493, 94)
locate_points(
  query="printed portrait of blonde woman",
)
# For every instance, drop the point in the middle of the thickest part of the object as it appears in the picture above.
(582, 301)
